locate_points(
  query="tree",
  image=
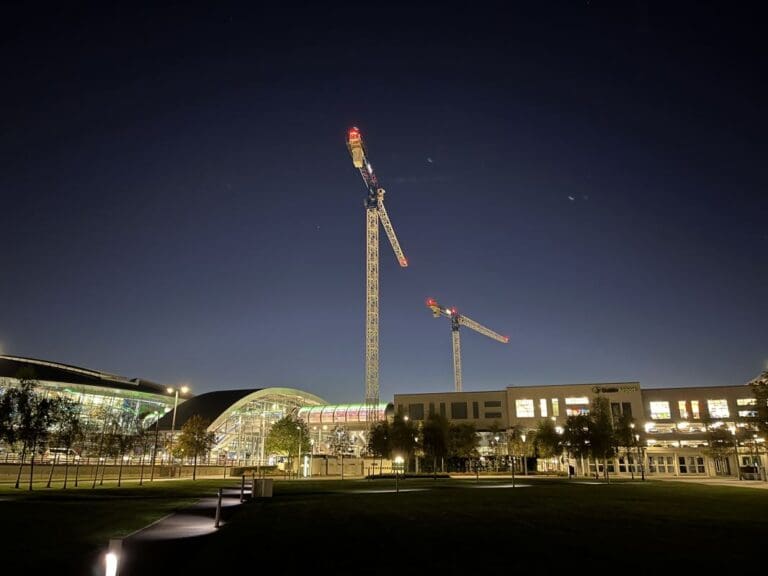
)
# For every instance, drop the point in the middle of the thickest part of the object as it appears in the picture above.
(435, 438)
(69, 432)
(285, 435)
(403, 434)
(548, 443)
(379, 444)
(340, 444)
(29, 418)
(719, 442)
(625, 438)
(576, 436)
(520, 441)
(462, 442)
(196, 440)
(602, 438)
(759, 388)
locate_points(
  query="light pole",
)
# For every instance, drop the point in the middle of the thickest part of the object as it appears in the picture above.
(154, 450)
(525, 455)
(496, 451)
(298, 454)
(311, 454)
(736, 451)
(175, 391)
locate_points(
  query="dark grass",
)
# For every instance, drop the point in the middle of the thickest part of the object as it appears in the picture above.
(66, 530)
(553, 526)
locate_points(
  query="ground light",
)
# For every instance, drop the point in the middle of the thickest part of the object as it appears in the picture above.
(112, 558)
(398, 465)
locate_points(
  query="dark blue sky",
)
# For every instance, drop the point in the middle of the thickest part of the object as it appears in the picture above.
(178, 203)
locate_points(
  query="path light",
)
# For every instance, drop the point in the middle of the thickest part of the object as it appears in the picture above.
(398, 464)
(112, 558)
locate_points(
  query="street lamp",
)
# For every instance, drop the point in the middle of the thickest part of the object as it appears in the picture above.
(525, 455)
(736, 450)
(154, 450)
(175, 392)
(298, 453)
(496, 451)
(641, 457)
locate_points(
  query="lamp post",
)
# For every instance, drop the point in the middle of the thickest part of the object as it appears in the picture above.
(175, 391)
(640, 457)
(154, 450)
(525, 455)
(298, 454)
(311, 454)
(736, 451)
(559, 431)
(496, 451)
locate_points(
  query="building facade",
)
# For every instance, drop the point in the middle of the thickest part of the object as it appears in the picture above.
(672, 425)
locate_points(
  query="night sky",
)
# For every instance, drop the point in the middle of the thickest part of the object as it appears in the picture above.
(178, 203)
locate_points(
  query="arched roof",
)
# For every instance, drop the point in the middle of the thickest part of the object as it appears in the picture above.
(215, 406)
(48, 371)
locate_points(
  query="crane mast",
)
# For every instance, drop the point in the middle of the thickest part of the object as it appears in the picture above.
(458, 320)
(375, 212)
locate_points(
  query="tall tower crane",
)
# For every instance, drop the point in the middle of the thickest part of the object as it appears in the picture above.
(375, 212)
(458, 320)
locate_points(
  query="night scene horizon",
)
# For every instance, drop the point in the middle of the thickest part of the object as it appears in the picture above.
(587, 179)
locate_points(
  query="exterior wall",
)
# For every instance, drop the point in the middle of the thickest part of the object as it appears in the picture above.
(483, 409)
(530, 404)
(670, 421)
(711, 403)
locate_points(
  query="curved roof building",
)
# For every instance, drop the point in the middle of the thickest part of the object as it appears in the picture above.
(240, 419)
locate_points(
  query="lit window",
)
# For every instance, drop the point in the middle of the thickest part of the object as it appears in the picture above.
(718, 408)
(746, 402)
(543, 407)
(748, 413)
(681, 405)
(695, 409)
(660, 411)
(578, 411)
(578, 400)
(524, 408)
(555, 407)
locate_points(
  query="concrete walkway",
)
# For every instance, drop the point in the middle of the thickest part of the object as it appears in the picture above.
(158, 548)
(733, 482)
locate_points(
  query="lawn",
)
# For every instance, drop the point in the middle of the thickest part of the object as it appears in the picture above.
(449, 526)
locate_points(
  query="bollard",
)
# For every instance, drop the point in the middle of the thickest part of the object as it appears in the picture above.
(113, 557)
(218, 511)
(242, 488)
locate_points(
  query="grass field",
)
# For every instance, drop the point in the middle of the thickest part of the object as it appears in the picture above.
(449, 526)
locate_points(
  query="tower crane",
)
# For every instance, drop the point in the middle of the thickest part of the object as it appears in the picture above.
(375, 212)
(458, 320)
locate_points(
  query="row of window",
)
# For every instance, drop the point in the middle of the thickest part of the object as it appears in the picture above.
(574, 406)
(524, 408)
(717, 408)
(579, 405)
(458, 410)
(656, 465)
